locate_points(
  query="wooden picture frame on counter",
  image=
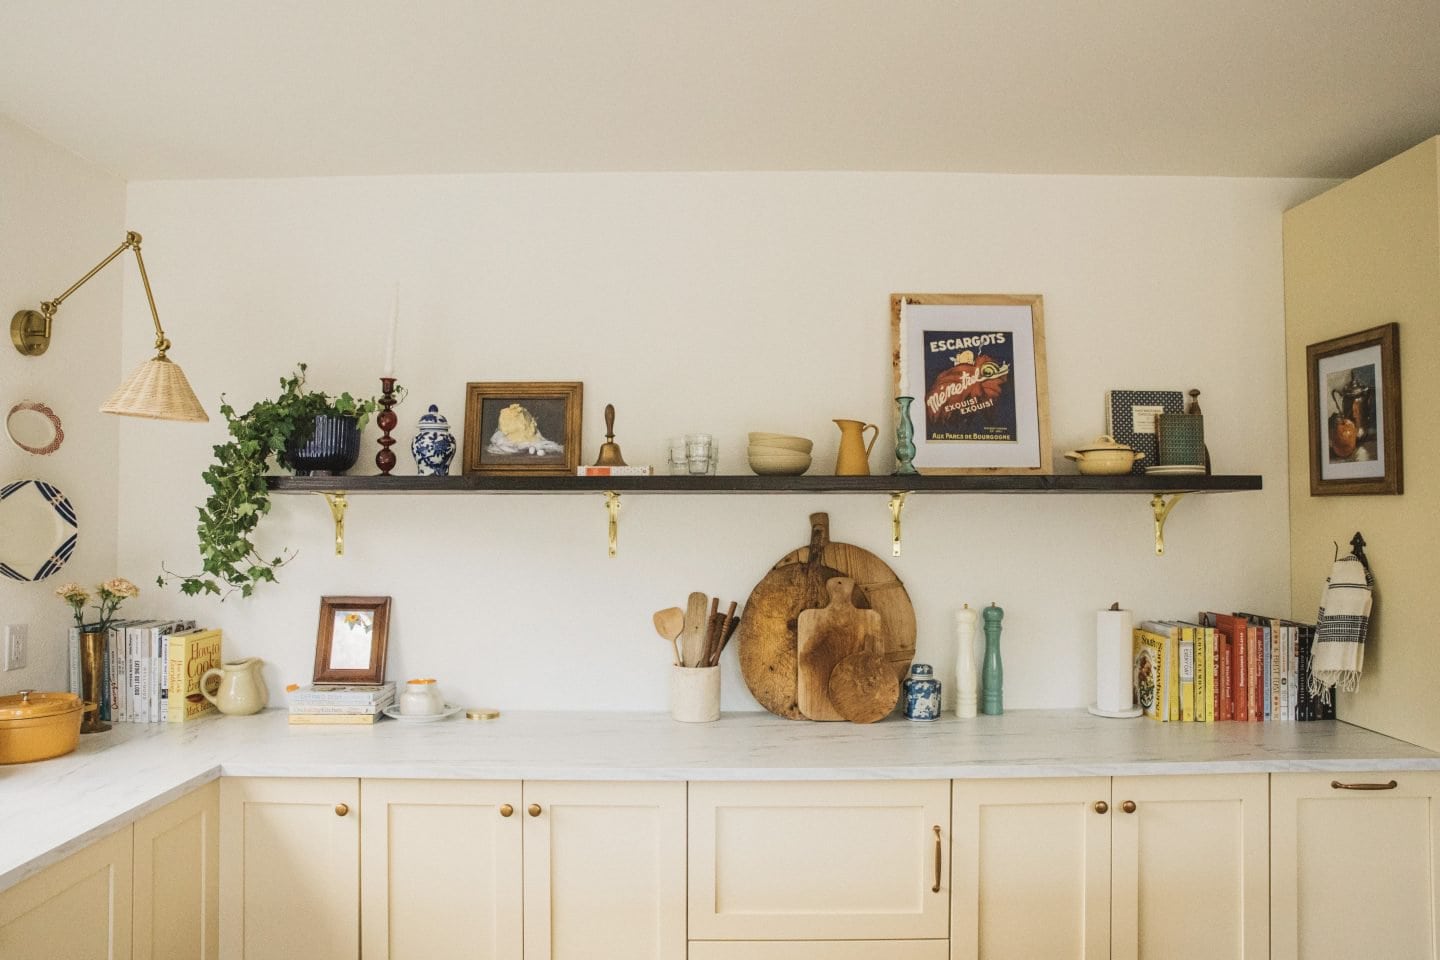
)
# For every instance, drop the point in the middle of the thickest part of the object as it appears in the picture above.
(351, 641)
(522, 428)
(975, 364)
(1353, 394)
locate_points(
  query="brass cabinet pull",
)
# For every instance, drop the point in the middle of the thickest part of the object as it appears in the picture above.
(1337, 785)
(1101, 806)
(506, 809)
(534, 810)
(1128, 806)
(341, 809)
(938, 853)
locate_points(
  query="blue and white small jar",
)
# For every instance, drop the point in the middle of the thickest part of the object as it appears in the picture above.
(922, 693)
(434, 446)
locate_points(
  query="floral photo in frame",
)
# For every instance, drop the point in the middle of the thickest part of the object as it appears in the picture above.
(522, 428)
(351, 641)
(1353, 395)
(975, 364)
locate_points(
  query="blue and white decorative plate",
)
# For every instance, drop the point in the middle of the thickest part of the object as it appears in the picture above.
(38, 530)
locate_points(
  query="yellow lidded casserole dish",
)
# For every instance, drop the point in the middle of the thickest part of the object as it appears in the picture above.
(35, 725)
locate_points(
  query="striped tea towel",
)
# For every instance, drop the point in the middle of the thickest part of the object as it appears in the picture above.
(1339, 649)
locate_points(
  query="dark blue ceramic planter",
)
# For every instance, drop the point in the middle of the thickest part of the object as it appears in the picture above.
(333, 447)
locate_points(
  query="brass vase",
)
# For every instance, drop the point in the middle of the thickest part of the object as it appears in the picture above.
(92, 662)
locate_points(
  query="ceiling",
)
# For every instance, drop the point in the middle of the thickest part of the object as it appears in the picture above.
(163, 89)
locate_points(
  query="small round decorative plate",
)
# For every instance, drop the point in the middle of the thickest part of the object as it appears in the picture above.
(393, 712)
(33, 427)
(40, 530)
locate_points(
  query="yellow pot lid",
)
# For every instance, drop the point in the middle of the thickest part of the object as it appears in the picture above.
(1102, 443)
(29, 704)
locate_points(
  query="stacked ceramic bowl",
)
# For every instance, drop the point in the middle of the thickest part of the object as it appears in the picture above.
(779, 455)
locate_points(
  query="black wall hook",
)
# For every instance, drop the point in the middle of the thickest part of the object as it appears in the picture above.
(1357, 547)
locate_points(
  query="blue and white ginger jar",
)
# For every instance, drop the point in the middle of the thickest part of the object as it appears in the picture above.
(434, 445)
(922, 693)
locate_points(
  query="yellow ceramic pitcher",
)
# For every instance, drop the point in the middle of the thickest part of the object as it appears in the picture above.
(854, 457)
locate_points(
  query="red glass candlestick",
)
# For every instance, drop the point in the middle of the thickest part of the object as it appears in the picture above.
(386, 421)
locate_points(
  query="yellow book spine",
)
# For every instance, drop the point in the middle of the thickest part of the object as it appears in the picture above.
(1185, 671)
(332, 718)
(1212, 676)
(1201, 689)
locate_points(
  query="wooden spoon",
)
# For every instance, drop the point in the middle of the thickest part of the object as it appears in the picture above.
(668, 623)
(694, 632)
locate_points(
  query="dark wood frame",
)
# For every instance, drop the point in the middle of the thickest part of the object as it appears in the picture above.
(570, 391)
(379, 608)
(1387, 412)
(1042, 390)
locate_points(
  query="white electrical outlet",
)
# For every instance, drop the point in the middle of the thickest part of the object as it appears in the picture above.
(17, 638)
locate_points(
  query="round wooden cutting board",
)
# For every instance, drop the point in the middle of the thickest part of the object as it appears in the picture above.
(768, 630)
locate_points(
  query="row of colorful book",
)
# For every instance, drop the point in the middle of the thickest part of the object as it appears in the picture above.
(151, 669)
(1224, 666)
(325, 703)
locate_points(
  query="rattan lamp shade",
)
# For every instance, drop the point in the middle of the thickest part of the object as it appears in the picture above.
(157, 390)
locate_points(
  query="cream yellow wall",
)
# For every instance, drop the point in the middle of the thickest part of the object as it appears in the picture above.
(724, 302)
(58, 216)
(1364, 253)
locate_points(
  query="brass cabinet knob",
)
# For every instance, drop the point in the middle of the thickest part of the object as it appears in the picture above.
(506, 809)
(1101, 806)
(1128, 806)
(534, 810)
(341, 809)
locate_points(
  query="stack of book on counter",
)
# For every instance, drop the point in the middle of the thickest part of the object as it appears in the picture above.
(1224, 666)
(336, 703)
(150, 671)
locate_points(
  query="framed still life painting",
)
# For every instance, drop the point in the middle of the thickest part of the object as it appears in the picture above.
(522, 428)
(975, 364)
(1353, 393)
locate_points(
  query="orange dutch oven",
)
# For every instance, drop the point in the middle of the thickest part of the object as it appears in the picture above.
(37, 726)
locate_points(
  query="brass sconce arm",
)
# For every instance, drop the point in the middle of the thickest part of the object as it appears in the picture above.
(30, 330)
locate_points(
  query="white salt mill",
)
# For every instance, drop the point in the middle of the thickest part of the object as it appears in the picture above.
(966, 681)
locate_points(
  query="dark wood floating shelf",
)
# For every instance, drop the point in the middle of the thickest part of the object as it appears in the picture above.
(1053, 483)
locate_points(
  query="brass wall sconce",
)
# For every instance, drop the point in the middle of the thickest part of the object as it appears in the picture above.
(156, 390)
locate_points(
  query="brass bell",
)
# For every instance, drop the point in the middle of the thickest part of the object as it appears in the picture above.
(610, 450)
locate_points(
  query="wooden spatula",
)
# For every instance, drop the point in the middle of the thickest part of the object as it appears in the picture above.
(692, 638)
(669, 623)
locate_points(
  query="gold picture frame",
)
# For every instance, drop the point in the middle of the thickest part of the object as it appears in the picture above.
(351, 641)
(522, 428)
(975, 364)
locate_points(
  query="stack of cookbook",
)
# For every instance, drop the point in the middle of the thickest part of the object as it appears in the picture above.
(335, 703)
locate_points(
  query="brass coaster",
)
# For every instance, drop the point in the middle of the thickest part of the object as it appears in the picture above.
(481, 713)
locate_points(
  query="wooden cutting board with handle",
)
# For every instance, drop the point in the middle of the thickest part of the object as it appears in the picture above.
(768, 631)
(824, 638)
(877, 583)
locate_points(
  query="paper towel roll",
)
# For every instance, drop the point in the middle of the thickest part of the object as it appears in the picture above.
(1114, 690)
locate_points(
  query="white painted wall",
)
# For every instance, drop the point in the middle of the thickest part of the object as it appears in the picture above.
(58, 217)
(719, 302)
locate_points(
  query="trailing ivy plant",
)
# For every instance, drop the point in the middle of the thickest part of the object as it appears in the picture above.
(238, 494)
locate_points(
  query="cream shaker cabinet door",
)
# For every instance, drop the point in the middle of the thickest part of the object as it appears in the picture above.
(177, 879)
(1031, 869)
(440, 868)
(819, 860)
(289, 869)
(604, 871)
(77, 908)
(1353, 858)
(1190, 867)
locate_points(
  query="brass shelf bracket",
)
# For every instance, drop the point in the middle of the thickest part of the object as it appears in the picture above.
(1161, 509)
(338, 503)
(897, 505)
(612, 507)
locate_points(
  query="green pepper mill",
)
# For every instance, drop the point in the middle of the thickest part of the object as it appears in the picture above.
(992, 676)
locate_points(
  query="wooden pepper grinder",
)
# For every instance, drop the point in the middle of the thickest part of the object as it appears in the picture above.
(610, 450)
(992, 676)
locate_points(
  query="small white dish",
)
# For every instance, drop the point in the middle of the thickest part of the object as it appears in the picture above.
(393, 712)
(1174, 471)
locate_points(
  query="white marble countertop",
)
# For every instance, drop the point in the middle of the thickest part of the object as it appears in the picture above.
(54, 807)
